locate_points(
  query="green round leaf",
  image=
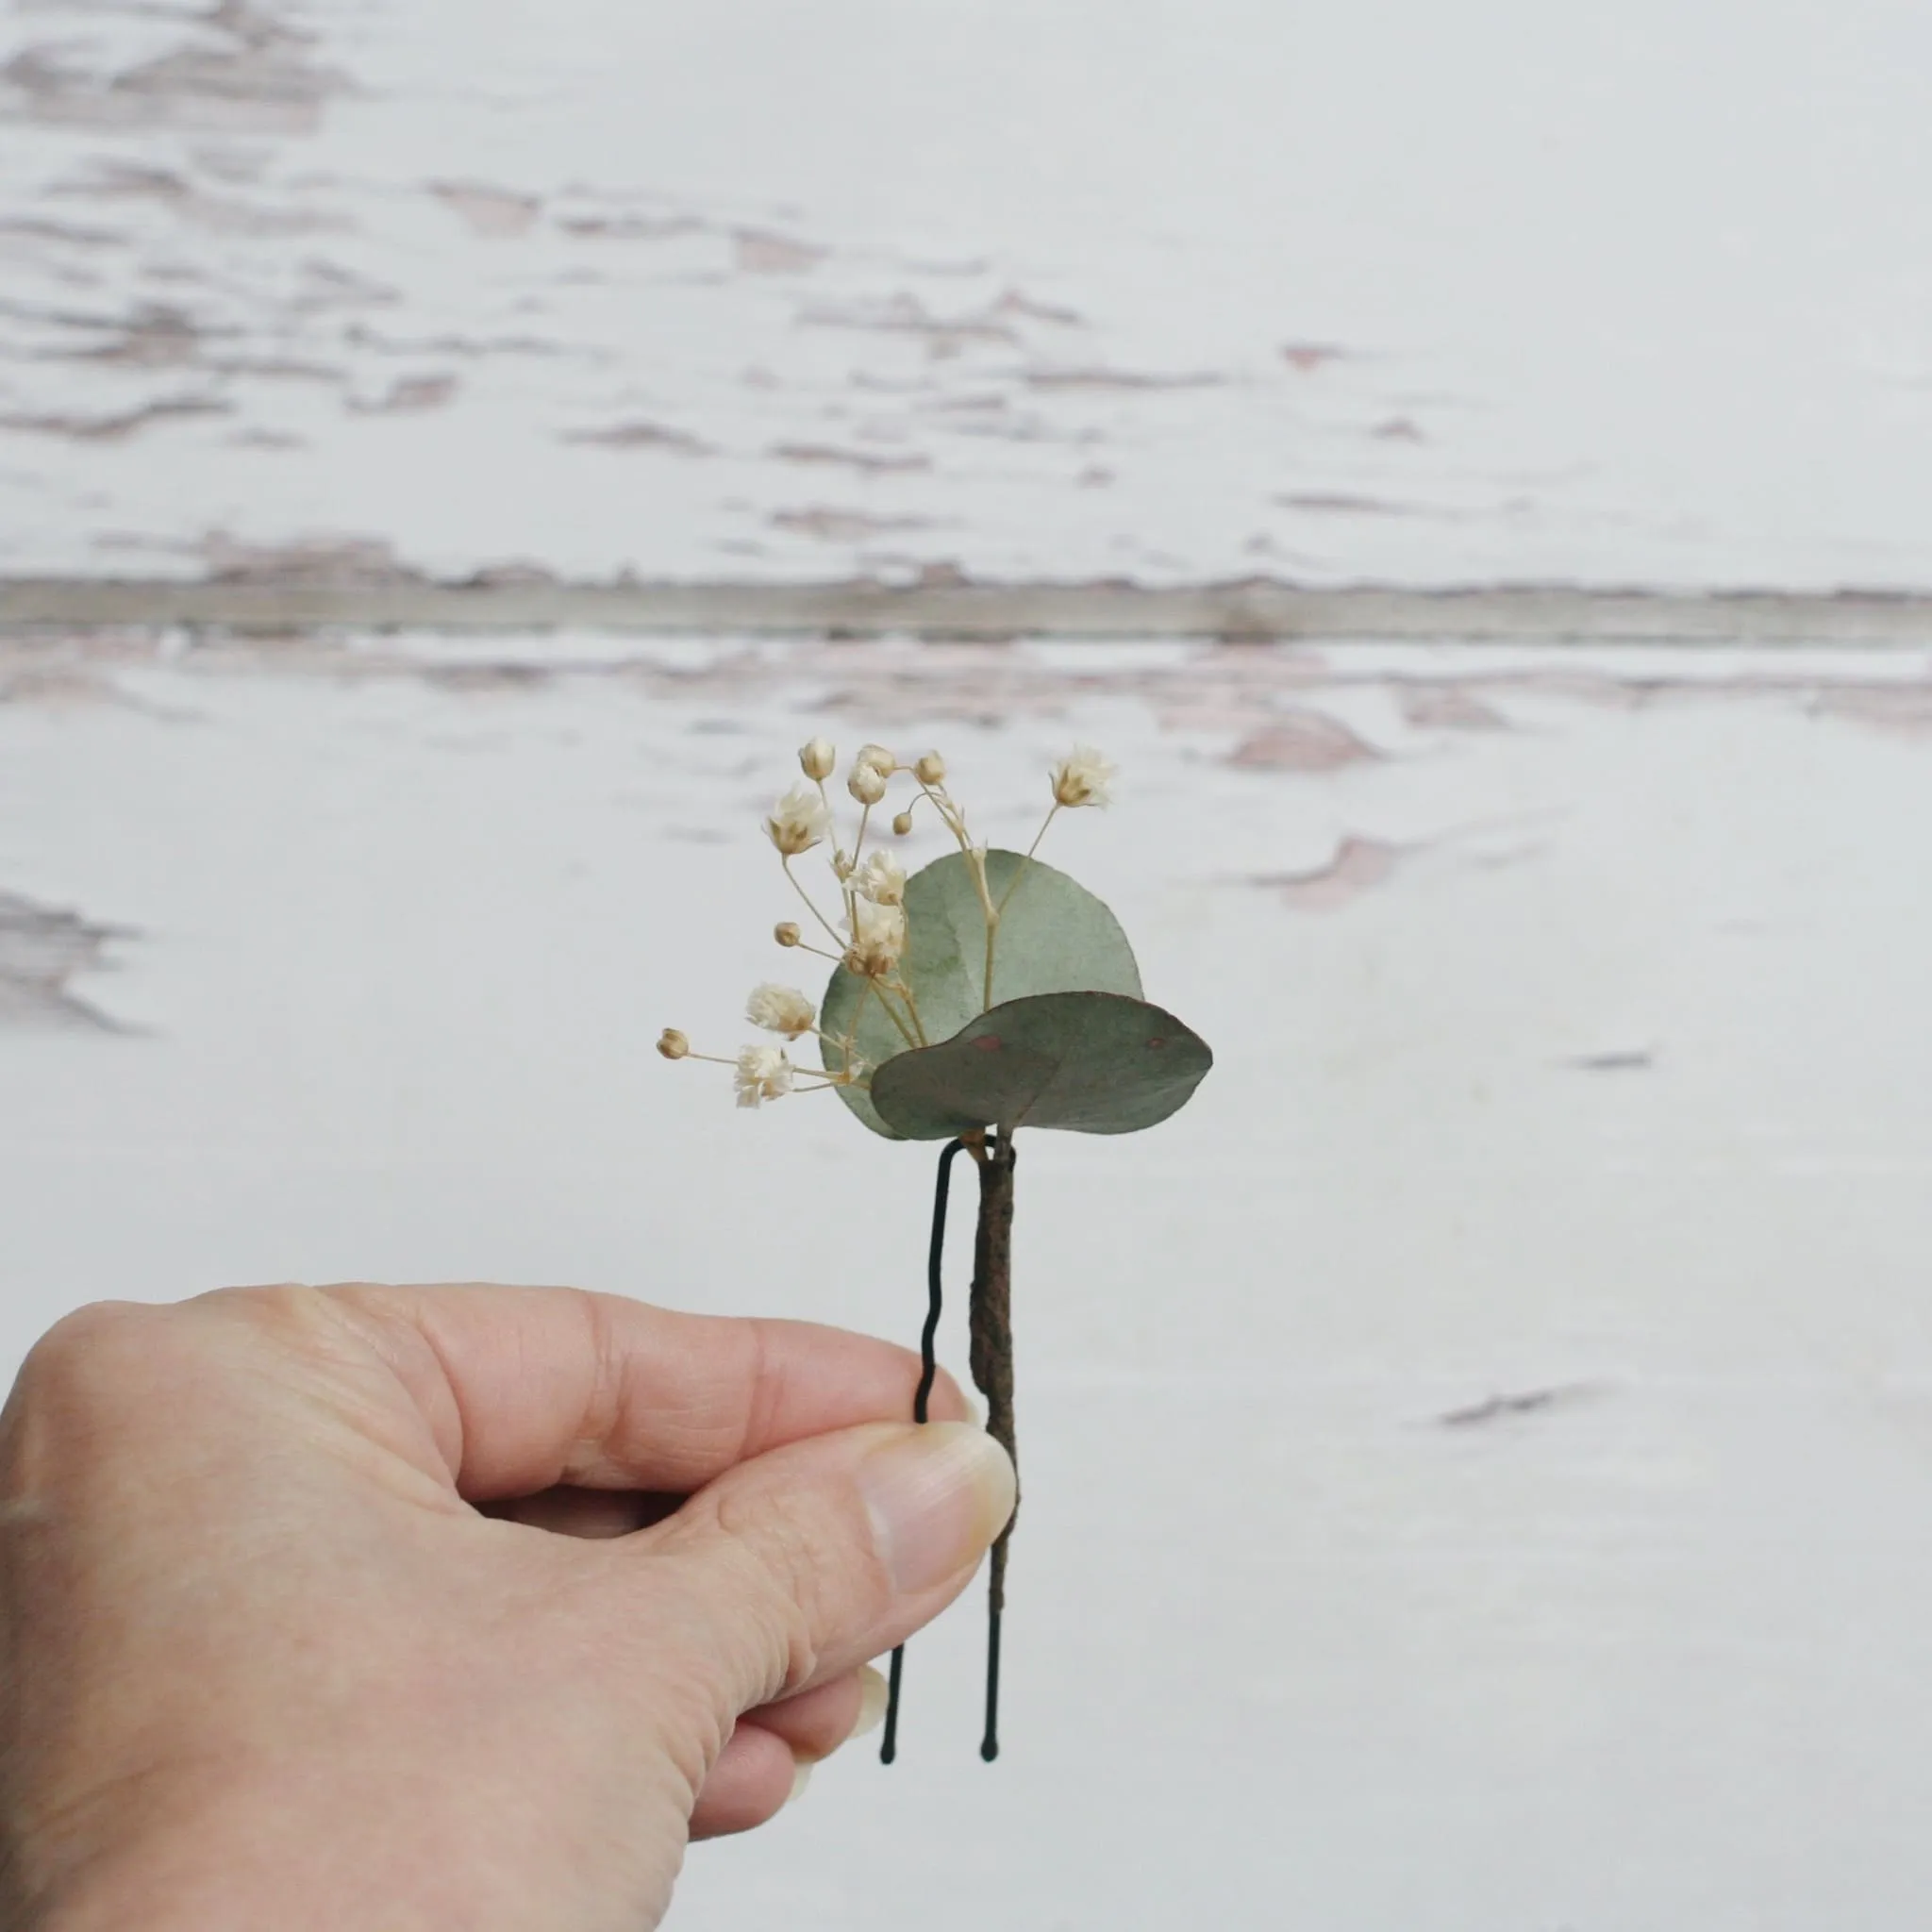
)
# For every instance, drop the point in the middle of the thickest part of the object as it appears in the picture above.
(1090, 1063)
(1054, 937)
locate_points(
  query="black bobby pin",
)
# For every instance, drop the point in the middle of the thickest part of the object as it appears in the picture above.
(928, 1370)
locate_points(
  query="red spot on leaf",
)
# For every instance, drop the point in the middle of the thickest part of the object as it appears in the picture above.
(988, 1043)
(1157, 1040)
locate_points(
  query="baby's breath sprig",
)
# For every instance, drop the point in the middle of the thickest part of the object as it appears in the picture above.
(769, 1073)
(872, 931)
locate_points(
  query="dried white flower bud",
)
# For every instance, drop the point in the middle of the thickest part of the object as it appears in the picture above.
(931, 769)
(798, 821)
(817, 760)
(881, 880)
(764, 1073)
(787, 933)
(673, 1044)
(780, 1009)
(867, 784)
(879, 938)
(903, 823)
(1082, 778)
(878, 758)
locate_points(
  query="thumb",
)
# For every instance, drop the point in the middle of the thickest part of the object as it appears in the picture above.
(795, 1566)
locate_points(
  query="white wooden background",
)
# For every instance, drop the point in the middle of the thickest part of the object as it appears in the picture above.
(1390, 291)
(1479, 1456)
(1572, 1048)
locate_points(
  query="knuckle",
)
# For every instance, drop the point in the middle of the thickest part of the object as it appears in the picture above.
(71, 1401)
(90, 1347)
(274, 1308)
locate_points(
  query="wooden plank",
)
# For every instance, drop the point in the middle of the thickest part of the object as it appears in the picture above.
(1253, 610)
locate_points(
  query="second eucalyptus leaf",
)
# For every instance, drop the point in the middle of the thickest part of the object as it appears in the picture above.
(1089, 1062)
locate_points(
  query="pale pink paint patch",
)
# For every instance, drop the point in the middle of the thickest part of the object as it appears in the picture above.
(760, 254)
(1358, 866)
(1301, 741)
(1449, 707)
(499, 213)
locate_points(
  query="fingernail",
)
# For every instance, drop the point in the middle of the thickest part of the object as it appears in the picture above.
(872, 1702)
(939, 1494)
(975, 1411)
(801, 1776)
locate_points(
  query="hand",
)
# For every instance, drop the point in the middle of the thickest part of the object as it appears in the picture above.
(288, 1634)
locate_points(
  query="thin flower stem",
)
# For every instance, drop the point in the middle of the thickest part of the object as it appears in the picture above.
(886, 1008)
(842, 1079)
(886, 986)
(819, 952)
(786, 862)
(993, 933)
(1038, 836)
(905, 993)
(858, 845)
(954, 824)
(1052, 814)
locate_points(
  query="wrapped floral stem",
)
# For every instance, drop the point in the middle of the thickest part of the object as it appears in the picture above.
(992, 1359)
(985, 992)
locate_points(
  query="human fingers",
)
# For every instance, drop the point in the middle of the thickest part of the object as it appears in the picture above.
(522, 1389)
(752, 1782)
(817, 1722)
(791, 1569)
(755, 1776)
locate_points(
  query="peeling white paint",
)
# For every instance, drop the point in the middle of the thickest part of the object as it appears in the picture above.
(1391, 294)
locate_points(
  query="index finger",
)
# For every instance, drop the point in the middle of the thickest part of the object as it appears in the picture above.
(525, 1388)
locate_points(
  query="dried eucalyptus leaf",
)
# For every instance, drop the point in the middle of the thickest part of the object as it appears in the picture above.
(1089, 1062)
(1055, 937)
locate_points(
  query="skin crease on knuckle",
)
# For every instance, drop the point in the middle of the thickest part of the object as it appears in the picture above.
(776, 1577)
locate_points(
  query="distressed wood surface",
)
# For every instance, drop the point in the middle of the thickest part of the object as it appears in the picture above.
(1395, 293)
(1478, 1455)
(287, 598)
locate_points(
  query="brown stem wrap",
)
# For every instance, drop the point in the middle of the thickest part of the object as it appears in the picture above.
(991, 1319)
